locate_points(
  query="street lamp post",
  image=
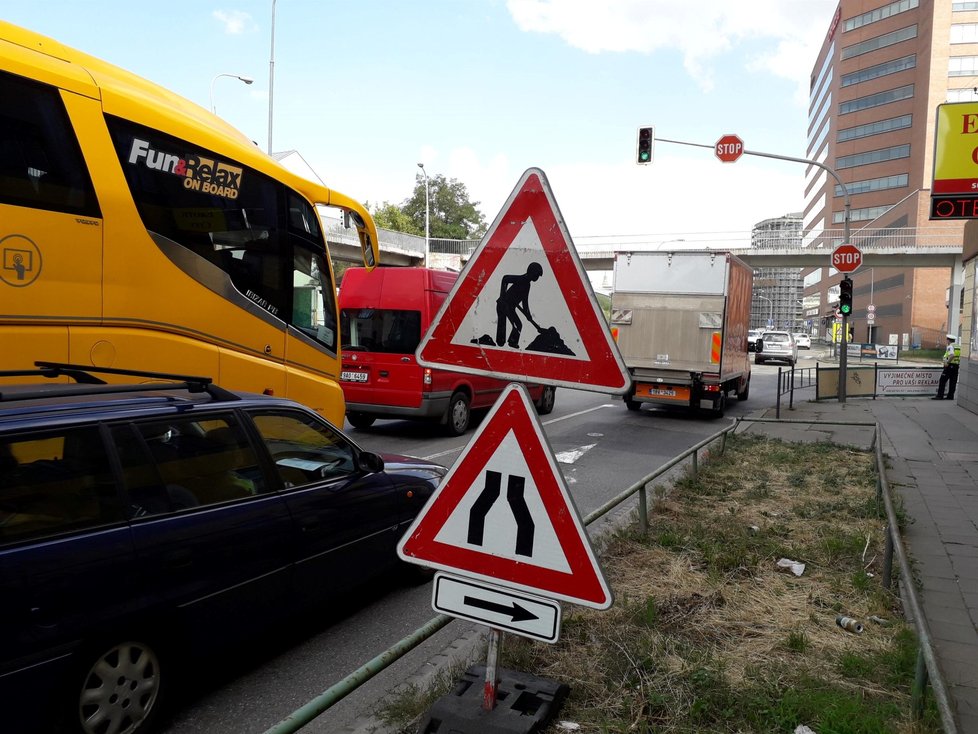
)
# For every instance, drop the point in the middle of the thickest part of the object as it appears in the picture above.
(427, 231)
(770, 318)
(245, 79)
(271, 79)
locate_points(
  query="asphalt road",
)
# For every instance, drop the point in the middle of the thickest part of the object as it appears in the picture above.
(601, 447)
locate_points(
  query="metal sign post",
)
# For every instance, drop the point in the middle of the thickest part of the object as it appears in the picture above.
(492, 659)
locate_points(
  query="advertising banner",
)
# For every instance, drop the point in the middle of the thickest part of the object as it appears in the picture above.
(915, 381)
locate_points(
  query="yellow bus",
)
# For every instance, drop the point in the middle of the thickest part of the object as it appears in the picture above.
(138, 230)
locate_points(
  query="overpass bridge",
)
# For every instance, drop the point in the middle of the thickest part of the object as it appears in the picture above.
(889, 247)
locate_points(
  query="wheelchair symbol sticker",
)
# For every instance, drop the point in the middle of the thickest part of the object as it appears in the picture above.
(20, 261)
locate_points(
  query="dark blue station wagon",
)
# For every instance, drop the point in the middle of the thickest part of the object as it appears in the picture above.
(141, 521)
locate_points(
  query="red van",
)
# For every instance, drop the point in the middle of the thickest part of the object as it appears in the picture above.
(383, 315)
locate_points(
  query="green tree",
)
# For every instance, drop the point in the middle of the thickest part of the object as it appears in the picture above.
(391, 216)
(452, 215)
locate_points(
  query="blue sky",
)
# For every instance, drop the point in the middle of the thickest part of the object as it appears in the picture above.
(480, 90)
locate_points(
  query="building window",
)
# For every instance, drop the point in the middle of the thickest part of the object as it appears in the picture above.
(874, 184)
(878, 42)
(873, 156)
(901, 6)
(961, 95)
(962, 66)
(866, 214)
(964, 32)
(876, 100)
(884, 69)
(963, 7)
(875, 128)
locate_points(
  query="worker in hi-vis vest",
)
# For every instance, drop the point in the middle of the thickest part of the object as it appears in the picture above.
(949, 376)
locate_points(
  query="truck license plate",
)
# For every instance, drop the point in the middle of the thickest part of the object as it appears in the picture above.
(660, 393)
(353, 376)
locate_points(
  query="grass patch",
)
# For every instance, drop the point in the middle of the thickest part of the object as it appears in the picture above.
(707, 635)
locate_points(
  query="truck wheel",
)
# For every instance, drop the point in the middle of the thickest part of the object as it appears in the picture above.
(743, 395)
(545, 405)
(632, 404)
(720, 405)
(360, 420)
(458, 416)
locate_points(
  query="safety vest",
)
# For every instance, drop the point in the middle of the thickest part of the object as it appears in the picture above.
(952, 354)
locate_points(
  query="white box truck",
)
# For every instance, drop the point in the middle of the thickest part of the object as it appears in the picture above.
(681, 320)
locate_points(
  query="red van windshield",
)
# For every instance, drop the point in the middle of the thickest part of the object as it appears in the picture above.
(380, 330)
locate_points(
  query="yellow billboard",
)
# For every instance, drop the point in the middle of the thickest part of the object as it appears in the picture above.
(954, 191)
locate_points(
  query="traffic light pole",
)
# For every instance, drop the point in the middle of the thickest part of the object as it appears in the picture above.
(843, 357)
(845, 193)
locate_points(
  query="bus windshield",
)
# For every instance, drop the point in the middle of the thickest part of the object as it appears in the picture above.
(260, 236)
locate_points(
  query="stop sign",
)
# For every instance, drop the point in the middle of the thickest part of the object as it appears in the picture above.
(846, 258)
(729, 148)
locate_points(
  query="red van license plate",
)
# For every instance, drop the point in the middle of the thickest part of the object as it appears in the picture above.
(353, 376)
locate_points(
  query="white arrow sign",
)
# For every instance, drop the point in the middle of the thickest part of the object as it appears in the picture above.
(521, 614)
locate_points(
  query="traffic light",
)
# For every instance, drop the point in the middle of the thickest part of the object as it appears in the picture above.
(646, 139)
(845, 297)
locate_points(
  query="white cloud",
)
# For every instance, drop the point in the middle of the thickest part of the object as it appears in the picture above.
(701, 31)
(235, 22)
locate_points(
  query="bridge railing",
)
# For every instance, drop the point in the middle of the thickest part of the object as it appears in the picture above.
(904, 238)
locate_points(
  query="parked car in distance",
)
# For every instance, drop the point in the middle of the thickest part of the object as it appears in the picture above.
(752, 337)
(804, 341)
(146, 524)
(776, 345)
(383, 314)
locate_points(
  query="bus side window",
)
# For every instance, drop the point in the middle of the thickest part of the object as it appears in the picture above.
(41, 165)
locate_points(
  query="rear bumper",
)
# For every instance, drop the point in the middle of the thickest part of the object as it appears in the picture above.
(433, 405)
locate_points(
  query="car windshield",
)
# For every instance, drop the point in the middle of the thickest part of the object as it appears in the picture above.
(773, 336)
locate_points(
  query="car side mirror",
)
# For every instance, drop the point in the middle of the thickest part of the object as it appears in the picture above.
(759, 344)
(370, 462)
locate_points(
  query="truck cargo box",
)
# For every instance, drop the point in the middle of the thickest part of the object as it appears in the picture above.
(681, 320)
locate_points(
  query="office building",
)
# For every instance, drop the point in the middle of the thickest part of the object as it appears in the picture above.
(882, 70)
(776, 299)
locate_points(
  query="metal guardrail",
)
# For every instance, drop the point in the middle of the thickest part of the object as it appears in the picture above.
(788, 382)
(926, 667)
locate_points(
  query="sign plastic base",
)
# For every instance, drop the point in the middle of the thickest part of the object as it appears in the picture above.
(525, 704)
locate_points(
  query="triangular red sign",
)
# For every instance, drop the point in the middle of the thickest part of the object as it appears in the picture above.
(503, 514)
(523, 307)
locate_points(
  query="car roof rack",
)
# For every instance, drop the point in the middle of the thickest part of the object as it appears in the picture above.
(90, 384)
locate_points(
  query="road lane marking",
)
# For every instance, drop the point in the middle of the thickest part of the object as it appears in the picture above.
(446, 452)
(572, 455)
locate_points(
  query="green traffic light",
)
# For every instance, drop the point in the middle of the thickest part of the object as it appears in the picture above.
(846, 309)
(644, 156)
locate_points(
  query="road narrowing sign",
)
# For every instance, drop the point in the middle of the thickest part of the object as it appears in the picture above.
(504, 515)
(523, 308)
